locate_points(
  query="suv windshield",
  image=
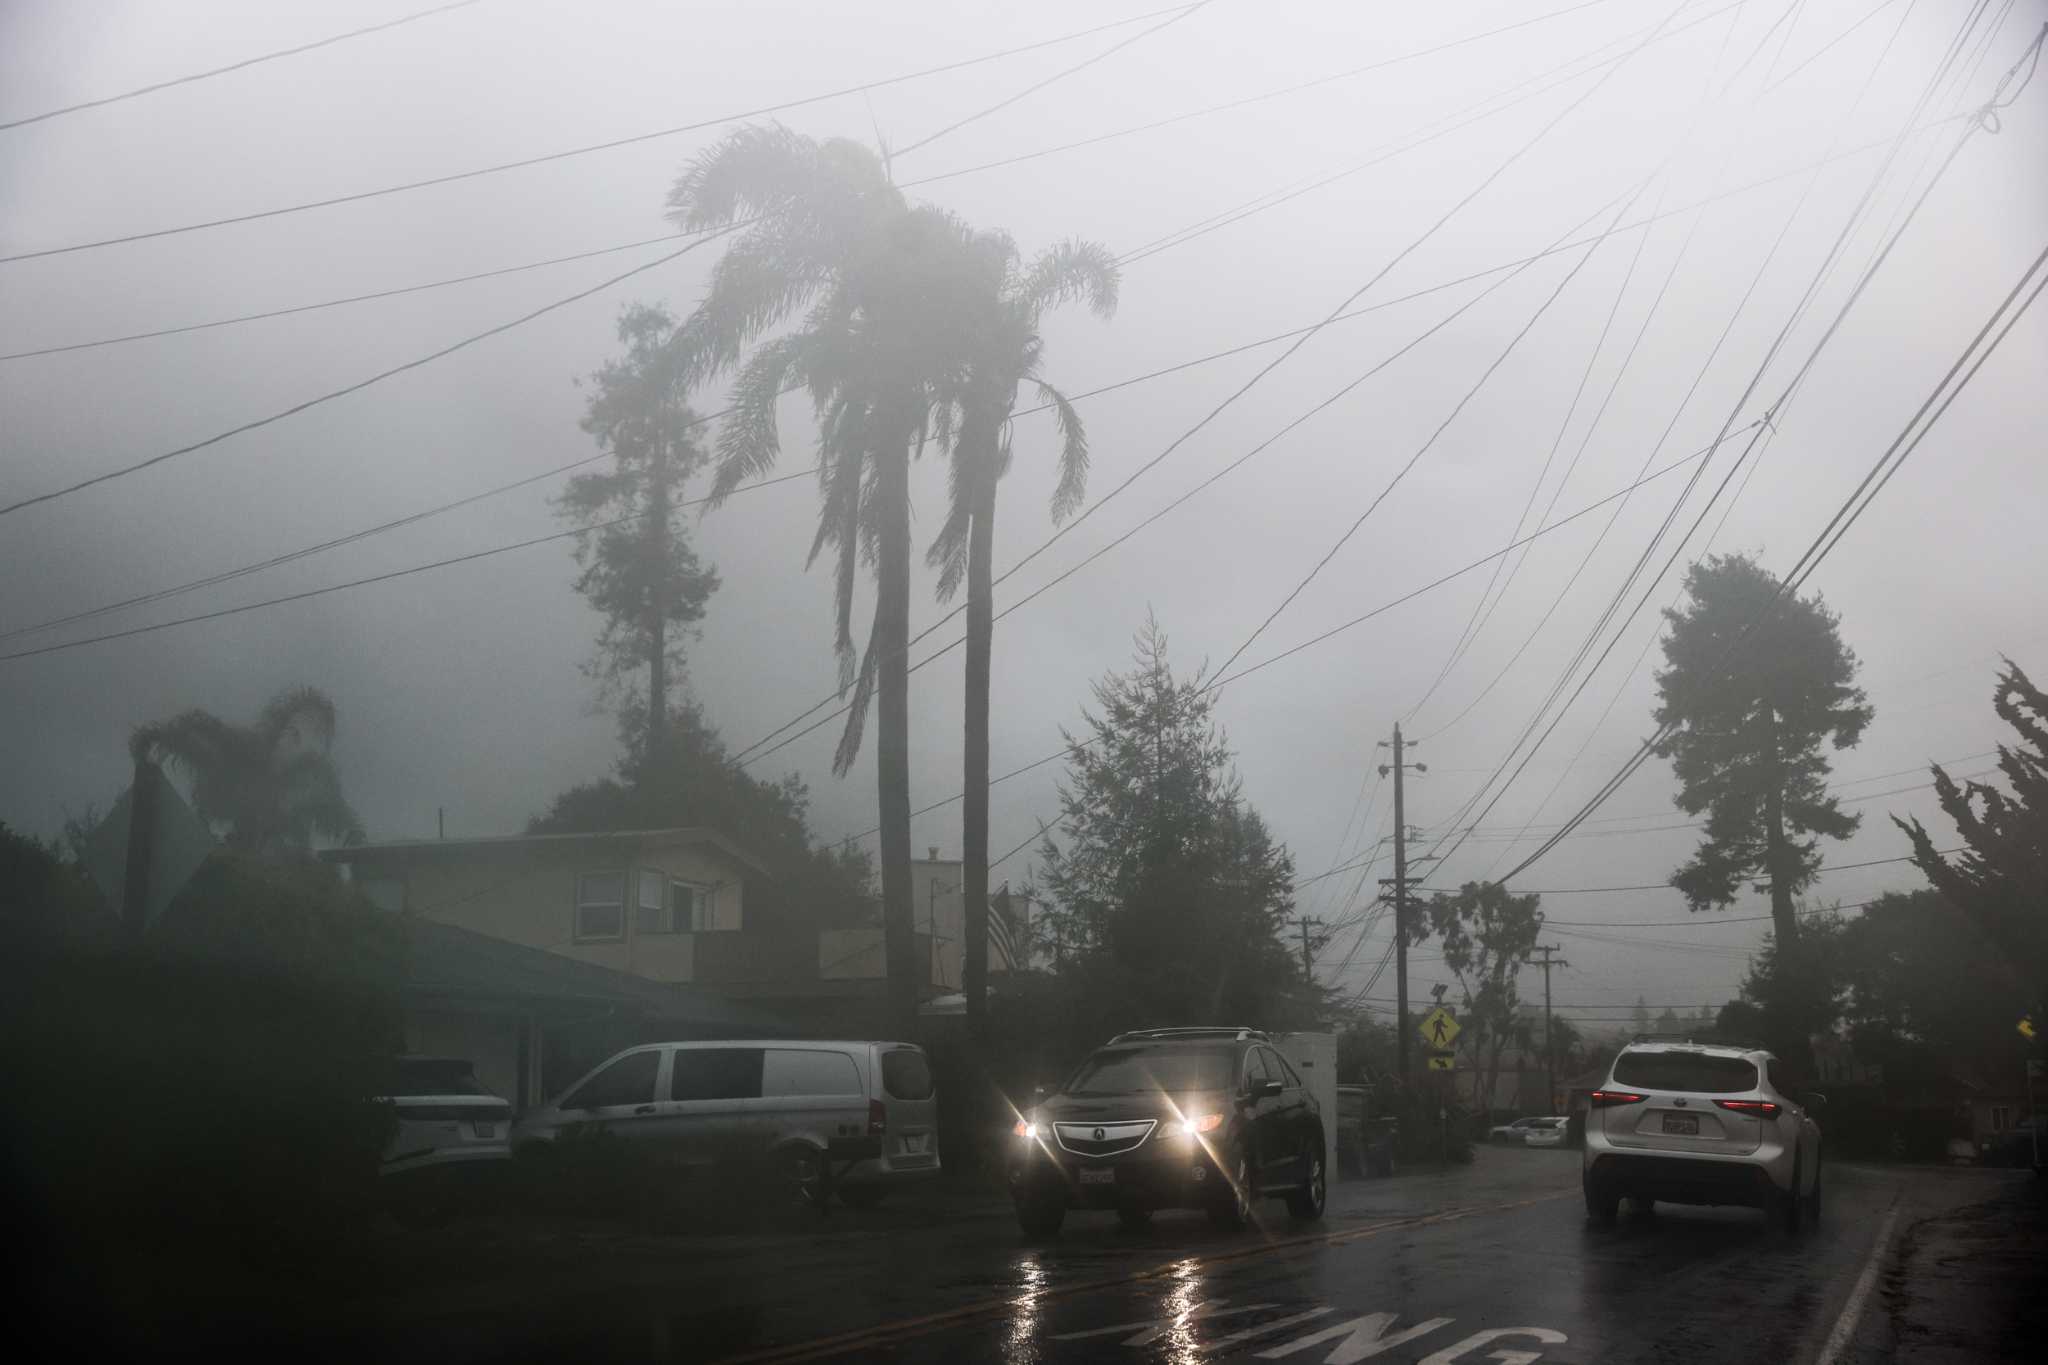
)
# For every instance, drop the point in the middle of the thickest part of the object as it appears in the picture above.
(1129, 1071)
(1698, 1072)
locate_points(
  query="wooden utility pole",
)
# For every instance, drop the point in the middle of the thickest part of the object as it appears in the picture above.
(1400, 879)
(1549, 1053)
(1308, 962)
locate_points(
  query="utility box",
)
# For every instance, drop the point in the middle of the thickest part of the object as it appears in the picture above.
(1314, 1056)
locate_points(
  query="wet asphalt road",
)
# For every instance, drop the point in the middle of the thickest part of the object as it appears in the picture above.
(1494, 1262)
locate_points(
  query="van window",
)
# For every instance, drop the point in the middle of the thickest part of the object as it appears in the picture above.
(716, 1073)
(790, 1072)
(629, 1080)
(906, 1075)
(1699, 1073)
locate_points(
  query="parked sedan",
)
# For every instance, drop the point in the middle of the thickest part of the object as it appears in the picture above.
(1549, 1132)
(1513, 1134)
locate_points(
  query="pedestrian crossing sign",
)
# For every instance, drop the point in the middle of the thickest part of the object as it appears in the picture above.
(1442, 1062)
(1440, 1027)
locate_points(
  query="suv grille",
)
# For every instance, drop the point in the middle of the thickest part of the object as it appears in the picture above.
(1102, 1139)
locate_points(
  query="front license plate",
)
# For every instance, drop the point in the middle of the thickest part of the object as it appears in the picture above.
(1688, 1124)
(1098, 1175)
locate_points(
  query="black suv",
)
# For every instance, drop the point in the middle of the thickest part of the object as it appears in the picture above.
(1202, 1118)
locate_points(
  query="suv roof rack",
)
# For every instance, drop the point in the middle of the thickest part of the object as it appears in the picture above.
(1234, 1032)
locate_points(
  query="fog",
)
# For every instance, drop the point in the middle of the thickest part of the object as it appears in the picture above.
(460, 689)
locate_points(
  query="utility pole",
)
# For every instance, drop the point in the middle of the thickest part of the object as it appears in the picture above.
(1398, 768)
(1308, 962)
(1549, 1054)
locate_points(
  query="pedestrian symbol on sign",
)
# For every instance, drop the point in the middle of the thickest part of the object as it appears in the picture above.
(1440, 1028)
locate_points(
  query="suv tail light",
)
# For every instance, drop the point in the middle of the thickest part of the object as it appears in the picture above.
(1761, 1108)
(878, 1118)
(1607, 1099)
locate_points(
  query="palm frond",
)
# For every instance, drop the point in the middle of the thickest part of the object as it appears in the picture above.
(857, 709)
(304, 713)
(1073, 269)
(1073, 484)
(749, 441)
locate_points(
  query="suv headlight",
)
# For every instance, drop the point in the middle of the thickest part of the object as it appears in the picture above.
(1195, 1125)
(1026, 1129)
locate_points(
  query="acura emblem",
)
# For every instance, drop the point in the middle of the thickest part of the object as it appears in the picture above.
(1098, 1135)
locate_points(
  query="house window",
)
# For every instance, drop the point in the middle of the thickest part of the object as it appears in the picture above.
(691, 907)
(2001, 1117)
(667, 906)
(600, 905)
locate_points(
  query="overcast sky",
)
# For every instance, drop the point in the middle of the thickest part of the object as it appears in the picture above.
(460, 688)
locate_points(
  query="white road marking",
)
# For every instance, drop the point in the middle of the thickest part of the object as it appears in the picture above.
(1852, 1311)
(1151, 1329)
(1458, 1350)
(1266, 1329)
(1362, 1338)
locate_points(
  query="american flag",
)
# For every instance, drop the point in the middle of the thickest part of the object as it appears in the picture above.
(1005, 932)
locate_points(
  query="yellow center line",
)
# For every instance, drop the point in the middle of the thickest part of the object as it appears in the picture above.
(903, 1328)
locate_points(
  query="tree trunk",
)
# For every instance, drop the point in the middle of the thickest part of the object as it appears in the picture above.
(892, 731)
(658, 511)
(974, 799)
(1783, 921)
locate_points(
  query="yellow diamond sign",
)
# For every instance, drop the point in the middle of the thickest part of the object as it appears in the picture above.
(1440, 1028)
(2027, 1029)
(1442, 1063)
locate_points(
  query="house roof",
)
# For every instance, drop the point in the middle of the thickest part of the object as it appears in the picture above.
(447, 961)
(400, 849)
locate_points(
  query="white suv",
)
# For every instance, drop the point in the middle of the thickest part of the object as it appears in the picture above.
(1698, 1124)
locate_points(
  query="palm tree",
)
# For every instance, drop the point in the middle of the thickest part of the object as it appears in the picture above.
(1002, 348)
(825, 232)
(272, 785)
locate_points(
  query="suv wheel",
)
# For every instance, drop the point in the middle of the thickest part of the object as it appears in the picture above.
(1786, 1205)
(1602, 1203)
(1040, 1215)
(1813, 1196)
(1235, 1209)
(1306, 1201)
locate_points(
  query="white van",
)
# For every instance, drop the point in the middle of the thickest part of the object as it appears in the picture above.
(791, 1102)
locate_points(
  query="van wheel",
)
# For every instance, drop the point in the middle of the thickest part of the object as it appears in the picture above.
(1306, 1201)
(1040, 1215)
(862, 1196)
(798, 1173)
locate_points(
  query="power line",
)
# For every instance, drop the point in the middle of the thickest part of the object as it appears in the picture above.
(235, 66)
(1773, 411)
(524, 162)
(1287, 653)
(342, 392)
(755, 749)
(1667, 886)
(414, 517)
(1060, 75)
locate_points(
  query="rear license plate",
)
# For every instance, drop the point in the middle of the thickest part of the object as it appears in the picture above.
(914, 1143)
(1098, 1175)
(1688, 1124)
(484, 1130)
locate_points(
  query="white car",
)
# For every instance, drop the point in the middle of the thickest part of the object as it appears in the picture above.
(1547, 1132)
(1700, 1124)
(1513, 1133)
(445, 1117)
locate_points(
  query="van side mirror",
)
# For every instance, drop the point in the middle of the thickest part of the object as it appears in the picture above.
(1815, 1100)
(1265, 1089)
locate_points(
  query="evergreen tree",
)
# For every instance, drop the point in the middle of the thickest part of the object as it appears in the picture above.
(2000, 882)
(638, 569)
(1757, 681)
(1166, 890)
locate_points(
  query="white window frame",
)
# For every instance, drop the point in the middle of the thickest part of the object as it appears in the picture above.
(581, 904)
(651, 919)
(698, 917)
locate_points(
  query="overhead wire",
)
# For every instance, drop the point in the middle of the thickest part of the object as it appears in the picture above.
(522, 163)
(241, 65)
